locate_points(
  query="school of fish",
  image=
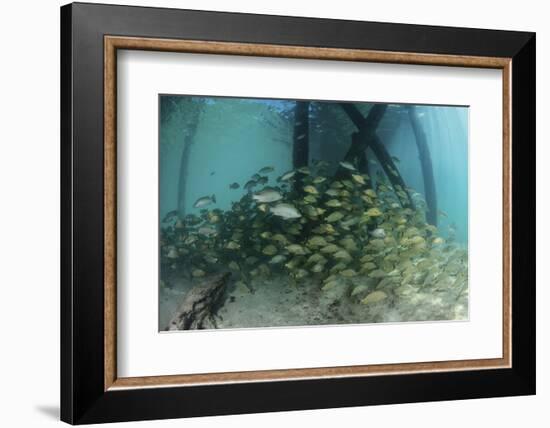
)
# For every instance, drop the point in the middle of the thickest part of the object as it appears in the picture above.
(347, 230)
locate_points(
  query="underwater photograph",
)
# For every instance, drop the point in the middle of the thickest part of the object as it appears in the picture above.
(282, 212)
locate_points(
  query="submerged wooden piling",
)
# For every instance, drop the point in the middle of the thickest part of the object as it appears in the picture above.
(362, 161)
(367, 137)
(365, 126)
(300, 147)
(426, 166)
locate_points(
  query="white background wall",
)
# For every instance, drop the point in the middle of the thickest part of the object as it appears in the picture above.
(29, 213)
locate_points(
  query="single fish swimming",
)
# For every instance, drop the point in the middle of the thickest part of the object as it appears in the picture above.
(347, 165)
(286, 211)
(204, 201)
(287, 176)
(250, 184)
(207, 231)
(170, 216)
(267, 195)
(378, 233)
(266, 170)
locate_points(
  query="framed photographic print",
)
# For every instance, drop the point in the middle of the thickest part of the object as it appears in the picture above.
(265, 213)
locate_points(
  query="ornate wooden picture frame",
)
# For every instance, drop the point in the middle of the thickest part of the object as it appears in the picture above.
(91, 389)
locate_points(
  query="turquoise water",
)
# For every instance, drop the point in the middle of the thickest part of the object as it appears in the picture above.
(210, 148)
(233, 136)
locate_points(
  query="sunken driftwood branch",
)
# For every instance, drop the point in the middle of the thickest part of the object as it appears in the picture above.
(367, 138)
(200, 304)
(426, 165)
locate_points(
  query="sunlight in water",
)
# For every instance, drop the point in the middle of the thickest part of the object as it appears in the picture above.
(292, 213)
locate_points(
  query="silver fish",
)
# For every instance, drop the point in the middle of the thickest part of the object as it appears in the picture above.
(204, 201)
(170, 216)
(378, 233)
(266, 170)
(285, 211)
(347, 165)
(287, 176)
(277, 259)
(250, 184)
(267, 195)
(207, 231)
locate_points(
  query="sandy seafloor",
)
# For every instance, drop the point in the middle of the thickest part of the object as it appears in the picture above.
(276, 302)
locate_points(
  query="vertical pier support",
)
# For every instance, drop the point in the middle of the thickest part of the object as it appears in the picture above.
(426, 166)
(300, 148)
(362, 161)
(188, 141)
(366, 137)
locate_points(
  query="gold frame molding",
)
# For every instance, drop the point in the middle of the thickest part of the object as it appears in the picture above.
(113, 43)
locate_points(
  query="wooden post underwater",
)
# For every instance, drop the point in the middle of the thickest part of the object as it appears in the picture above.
(426, 165)
(365, 126)
(188, 140)
(300, 148)
(367, 137)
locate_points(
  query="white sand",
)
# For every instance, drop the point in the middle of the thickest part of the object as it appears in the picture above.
(276, 302)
